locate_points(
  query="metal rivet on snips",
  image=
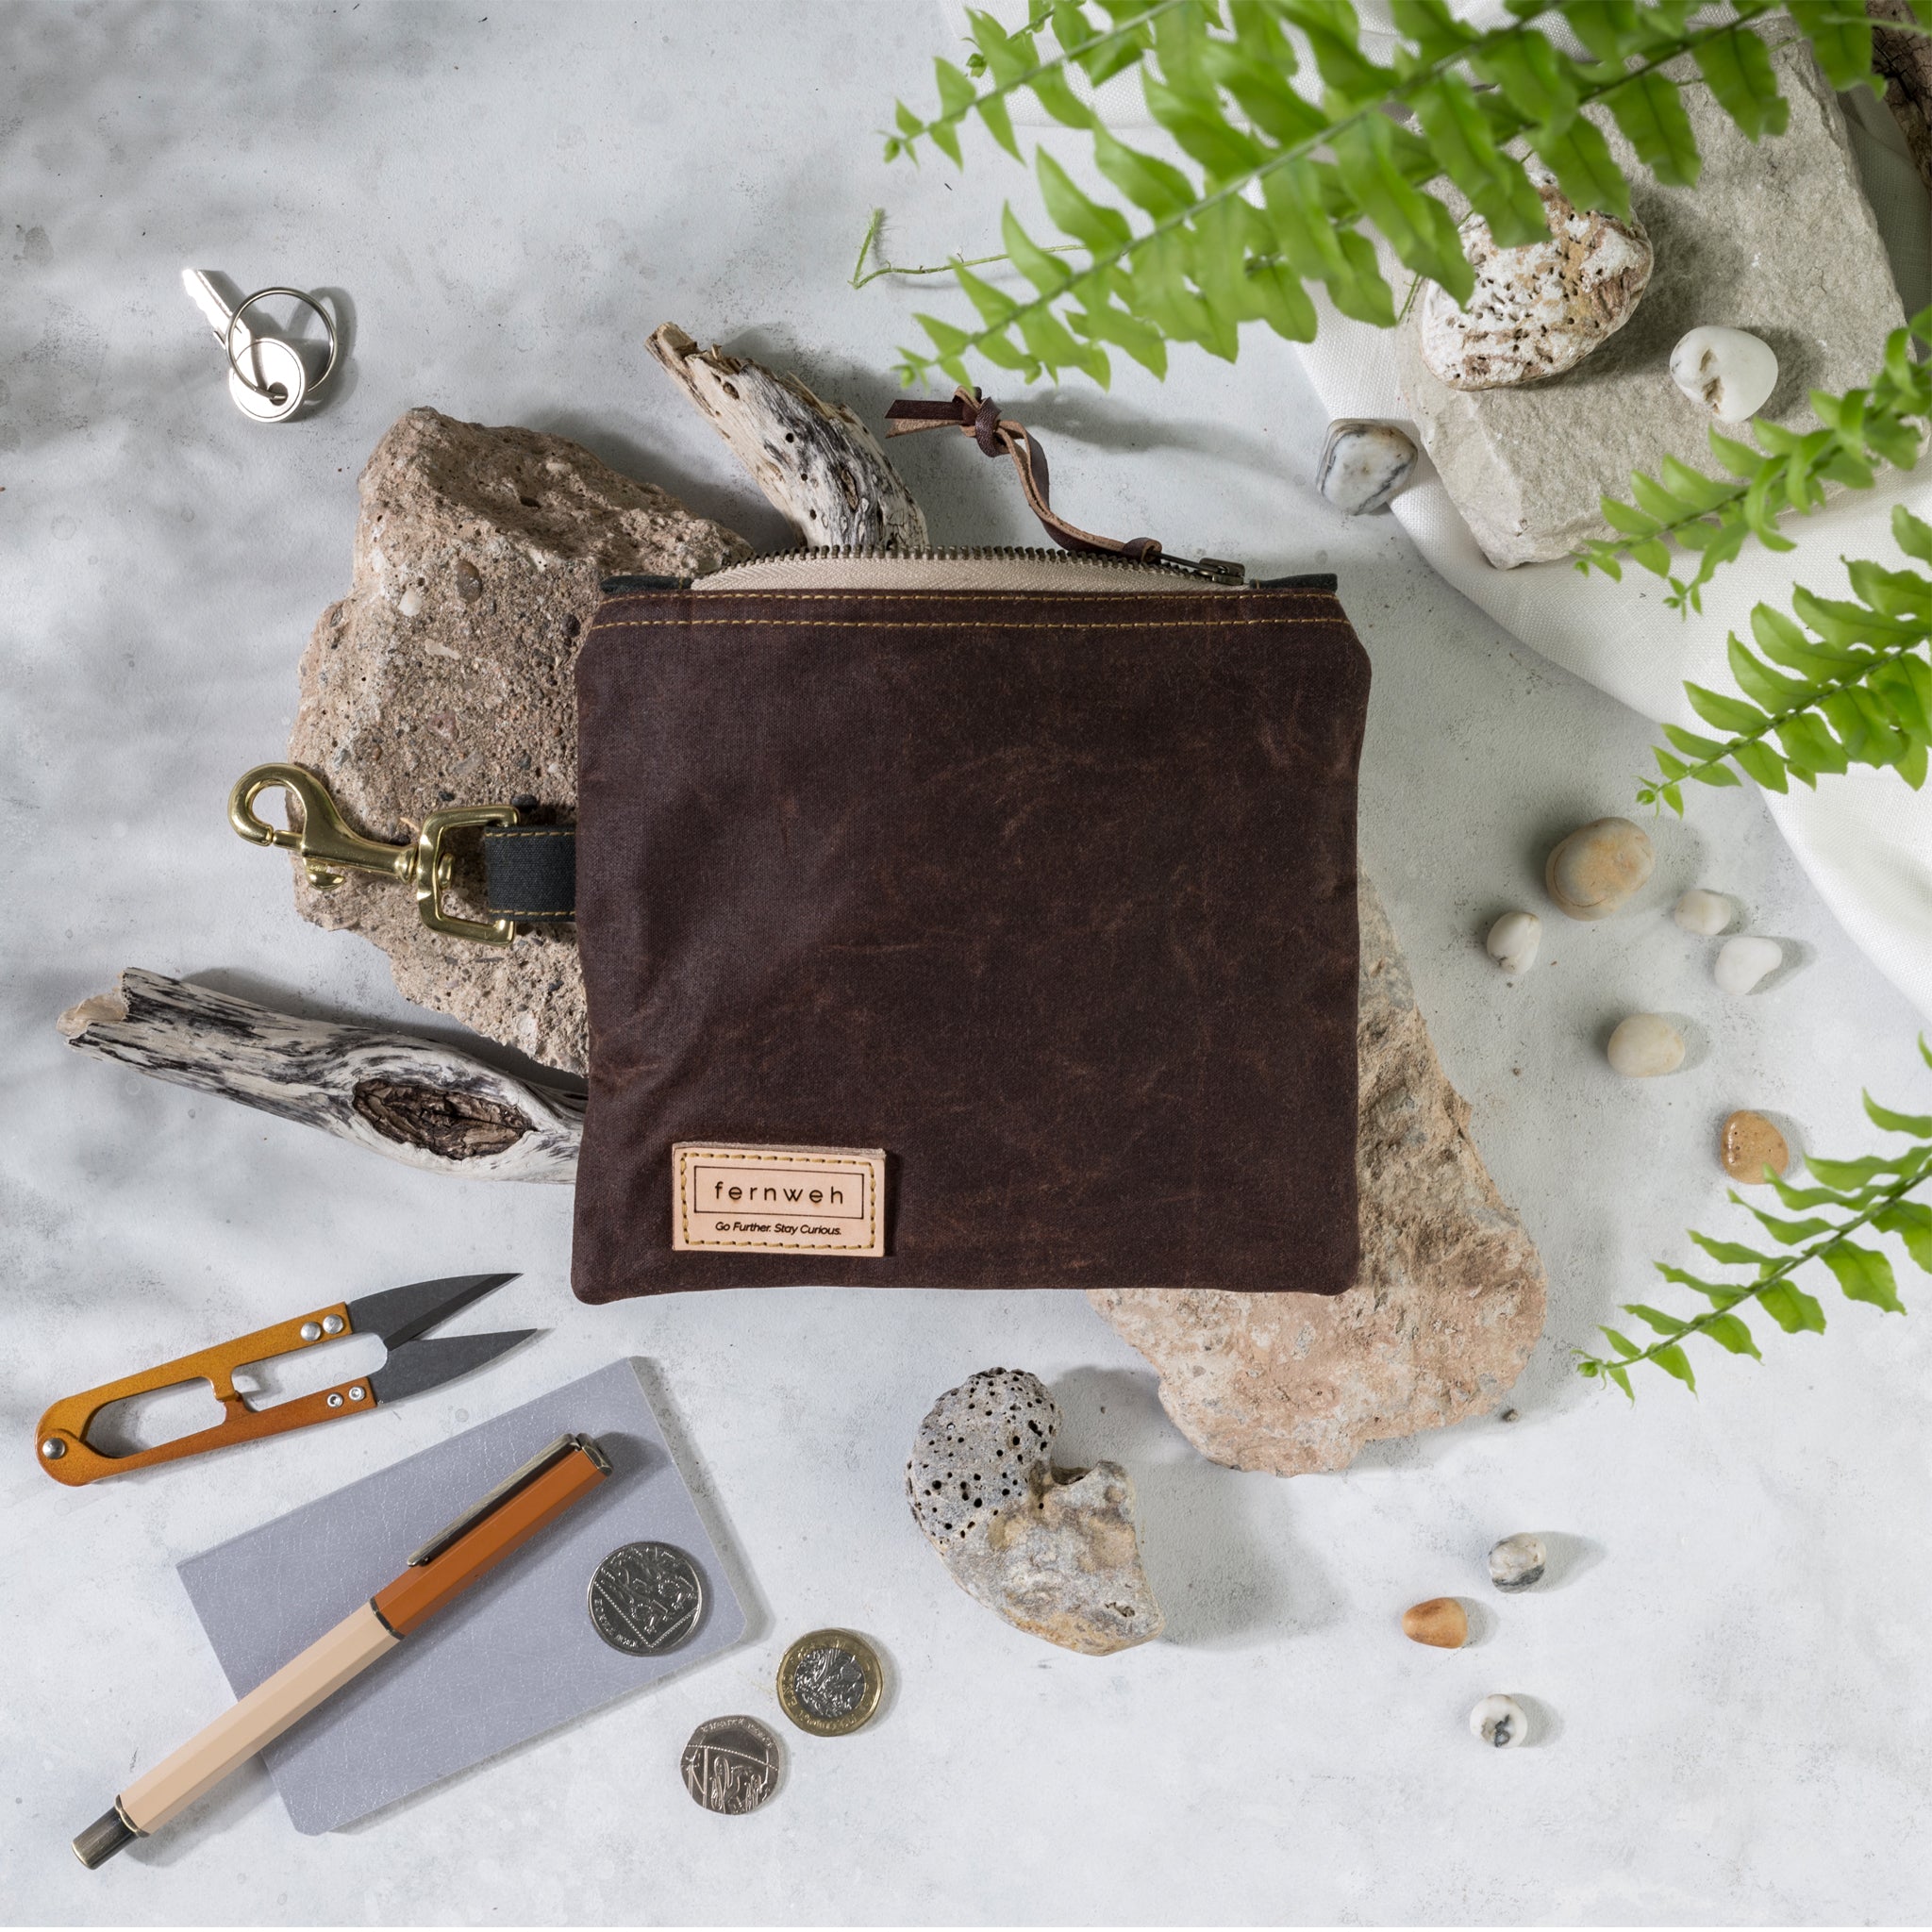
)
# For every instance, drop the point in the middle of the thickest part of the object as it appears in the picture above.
(268, 377)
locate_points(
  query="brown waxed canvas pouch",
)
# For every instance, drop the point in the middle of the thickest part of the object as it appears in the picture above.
(984, 920)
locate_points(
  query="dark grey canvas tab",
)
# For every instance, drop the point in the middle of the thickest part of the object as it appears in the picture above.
(530, 872)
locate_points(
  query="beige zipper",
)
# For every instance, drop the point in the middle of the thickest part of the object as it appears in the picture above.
(959, 570)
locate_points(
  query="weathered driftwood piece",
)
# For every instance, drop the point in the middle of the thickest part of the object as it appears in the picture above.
(816, 461)
(1903, 60)
(418, 1100)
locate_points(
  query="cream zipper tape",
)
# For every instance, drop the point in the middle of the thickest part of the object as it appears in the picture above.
(941, 569)
(766, 1200)
(962, 571)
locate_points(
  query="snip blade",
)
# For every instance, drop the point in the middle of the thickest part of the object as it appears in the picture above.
(432, 1361)
(401, 1314)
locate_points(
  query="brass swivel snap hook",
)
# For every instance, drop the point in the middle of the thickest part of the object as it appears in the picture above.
(330, 848)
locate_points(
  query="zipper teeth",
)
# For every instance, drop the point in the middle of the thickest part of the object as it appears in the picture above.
(873, 553)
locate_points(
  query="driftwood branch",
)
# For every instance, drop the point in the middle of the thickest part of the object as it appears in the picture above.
(816, 461)
(418, 1100)
(1902, 58)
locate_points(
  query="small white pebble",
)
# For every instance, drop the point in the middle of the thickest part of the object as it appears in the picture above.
(1704, 913)
(1512, 940)
(1500, 1721)
(1727, 370)
(1744, 961)
(409, 602)
(1645, 1045)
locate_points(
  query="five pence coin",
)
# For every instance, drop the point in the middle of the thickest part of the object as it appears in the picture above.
(646, 1598)
(731, 1765)
(829, 1683)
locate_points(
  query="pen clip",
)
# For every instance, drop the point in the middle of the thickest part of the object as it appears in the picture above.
(520, 1479)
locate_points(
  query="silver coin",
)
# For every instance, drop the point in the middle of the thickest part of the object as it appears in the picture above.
(731, 1765)
(646, 1598)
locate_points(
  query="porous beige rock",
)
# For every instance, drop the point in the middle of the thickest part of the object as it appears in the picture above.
(446, 676)
(1538, 309)
(1442, 1319)
(1054, 1552)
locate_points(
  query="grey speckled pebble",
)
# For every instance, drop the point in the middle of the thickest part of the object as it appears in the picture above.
(1363, 465)
(1517, 1562)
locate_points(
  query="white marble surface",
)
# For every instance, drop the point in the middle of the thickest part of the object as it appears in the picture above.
(1731, 1677)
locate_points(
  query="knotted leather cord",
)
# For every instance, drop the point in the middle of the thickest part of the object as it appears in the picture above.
(979, 417)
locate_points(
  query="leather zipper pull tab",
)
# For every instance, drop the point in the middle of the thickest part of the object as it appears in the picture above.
(979, 417)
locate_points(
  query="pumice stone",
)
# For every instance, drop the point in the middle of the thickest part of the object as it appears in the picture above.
(1442, 1623)
(1644, 1046)
(1744, 961)
(1500, 1721)
(1363, 465)
(1706, 914)
(1727, 370)
(1598, 867)
(1512, 940)
(1538, 309)
(1055, 1552)
(1517, 1562)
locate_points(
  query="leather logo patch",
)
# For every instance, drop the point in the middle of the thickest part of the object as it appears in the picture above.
(778, 1200)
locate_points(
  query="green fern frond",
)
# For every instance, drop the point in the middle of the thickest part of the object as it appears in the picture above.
(1869, 1193)
(1849, 685)
(1279, 184)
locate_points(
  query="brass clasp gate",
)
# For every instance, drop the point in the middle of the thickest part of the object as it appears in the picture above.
(330, 847)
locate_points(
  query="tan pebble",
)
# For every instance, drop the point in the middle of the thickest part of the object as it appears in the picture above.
(1645, 1046)
(1598, 867)
(1441, 1621)
(1749, 1145)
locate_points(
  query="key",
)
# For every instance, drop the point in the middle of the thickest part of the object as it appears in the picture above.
(277, 367)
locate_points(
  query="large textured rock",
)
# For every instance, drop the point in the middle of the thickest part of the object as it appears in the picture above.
(1054, 1552)
(1777, 238)
(1448, 1306)
(447, 675)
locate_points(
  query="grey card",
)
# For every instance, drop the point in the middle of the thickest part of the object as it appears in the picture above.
(514, 1656)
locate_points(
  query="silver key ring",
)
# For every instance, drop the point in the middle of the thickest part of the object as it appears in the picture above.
(261, 295)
